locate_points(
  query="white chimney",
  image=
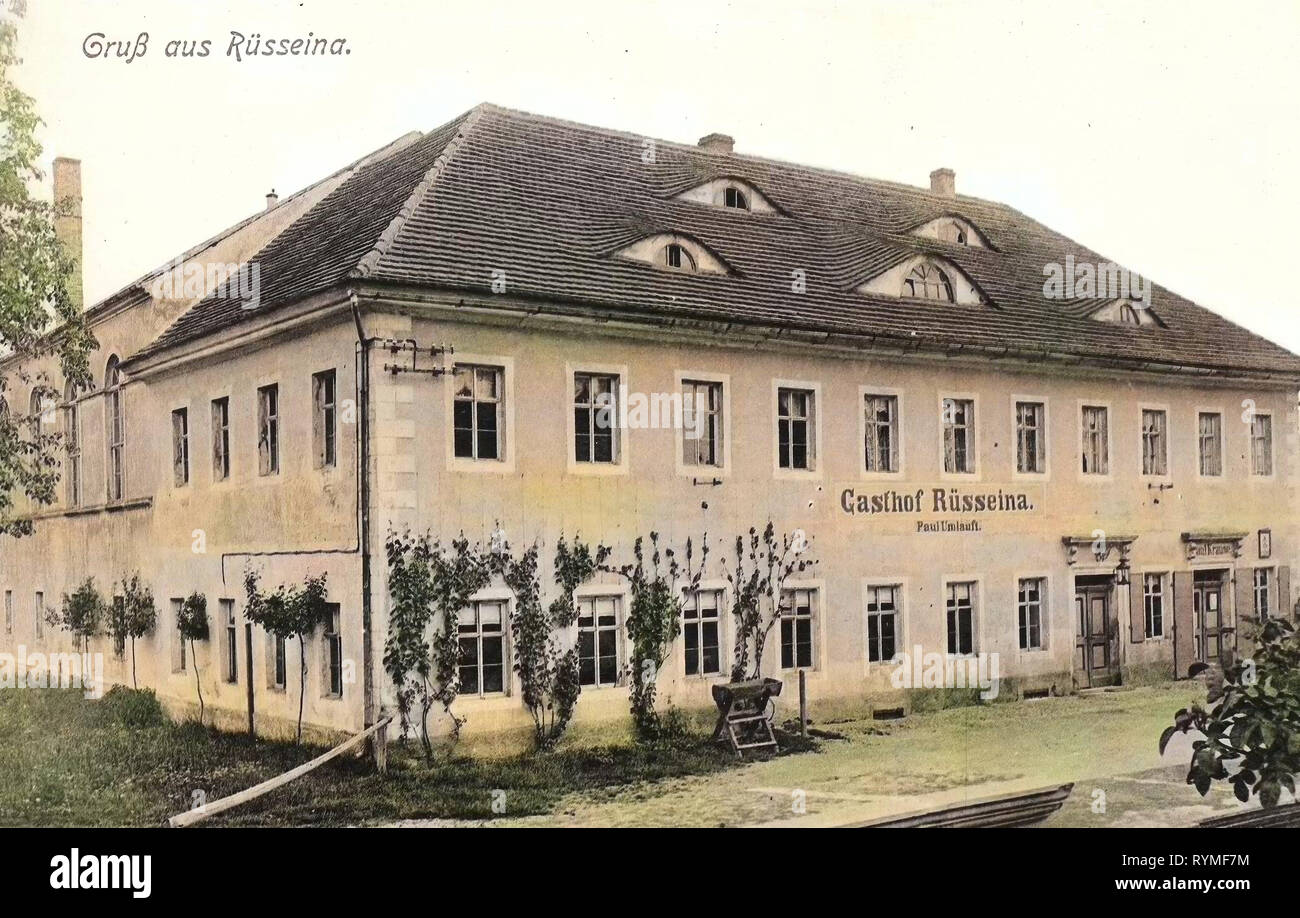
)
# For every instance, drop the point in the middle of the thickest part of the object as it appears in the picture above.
(944, 182)
(272, 199)
(717, 143)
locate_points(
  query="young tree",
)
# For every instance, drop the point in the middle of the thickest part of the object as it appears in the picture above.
(289, 612)
(763, 565)
(192, 625)
(1252, 720)
(133, 617)
(38, 319)
(81, 613)
(660, 589)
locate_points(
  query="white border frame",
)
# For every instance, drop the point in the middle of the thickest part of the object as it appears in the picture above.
(1046, 645)
(898, 473)
(1046, 473)
(724, 643)
(1251, 475)
(818, 586)
(977, 473)
(1096, 477)
(1197, 411)
(817, 472)
(679, 435)
(1167, 477)
(977, 632)
(506, 464)
(902, 639)
(624, 448)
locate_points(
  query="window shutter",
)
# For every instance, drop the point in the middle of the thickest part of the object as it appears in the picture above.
(1137, 609)
(1244, 618)
(1184, 638)
(318, 420)
(1284, 608)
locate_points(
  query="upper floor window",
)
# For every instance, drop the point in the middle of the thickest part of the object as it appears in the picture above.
(959, 435)
(1261, 444)
(595, 418)
(72, 443)
(701, 423)
(1155, 444)
(220, 439)
(324, 419)
(180, 447)
(677, 257)
(1128, 315)
(1210, 443)
(1095, 447)
(674, 252)
(115, 424)
(735, 198)
(881, 441)
(928, 282)
(730, 193)
(1031, 437)
(477, 412)
(268, 430)
(794, 425)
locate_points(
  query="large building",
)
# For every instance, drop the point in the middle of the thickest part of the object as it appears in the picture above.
(996, 441)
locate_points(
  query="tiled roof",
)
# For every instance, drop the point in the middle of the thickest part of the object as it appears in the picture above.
(550, 203)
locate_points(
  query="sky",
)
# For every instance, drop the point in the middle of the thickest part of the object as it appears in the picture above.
(1161, 135)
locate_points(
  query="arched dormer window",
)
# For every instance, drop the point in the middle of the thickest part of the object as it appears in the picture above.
(1128, 315)
(953, 230)
(678, 258)
(115, 424)
(72, 442)
(927, 281)
(730, 194)
(734, 198)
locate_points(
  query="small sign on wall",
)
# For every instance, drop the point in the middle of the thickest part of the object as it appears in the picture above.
(1265, 543)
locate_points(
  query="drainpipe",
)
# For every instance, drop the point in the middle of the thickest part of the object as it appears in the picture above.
(363, 487)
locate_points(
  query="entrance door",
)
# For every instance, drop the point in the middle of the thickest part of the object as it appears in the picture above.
(1207, 615)
(1094, 628)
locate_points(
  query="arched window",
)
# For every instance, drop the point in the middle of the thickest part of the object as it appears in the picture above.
(735, 198)
(1128, 315)
(72, 442)
(928, 282)
(115, 424)
(677, 258)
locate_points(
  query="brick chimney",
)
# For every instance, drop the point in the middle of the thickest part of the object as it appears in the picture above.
(67, 220)
(272, 199)
(944, 182)
(717, 143)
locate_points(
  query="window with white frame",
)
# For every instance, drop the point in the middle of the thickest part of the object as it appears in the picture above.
(1095, 448)
(333, 641)
(1261, 444)
(961, 618)
(268, 430)
(181, 447)
(324, 419)
(116, 425)
(701, 423)
(795, 433)
(1210, 443)
(881, 420)
(230, 634)
(481, 631)
(220, 439)
(798, 608)
(1029, 604)
(1263, 592)
(279, 669)
(598, 629)
(478, 419)
(1155, 454)
(1031, 438)
(595, 418)
(959, 435)
(700, 619)
(883, 610)
(1153, 604)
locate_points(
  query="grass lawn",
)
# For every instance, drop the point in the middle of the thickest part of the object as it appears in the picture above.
(68, 761)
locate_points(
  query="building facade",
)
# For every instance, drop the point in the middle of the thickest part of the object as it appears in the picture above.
(1088, 489)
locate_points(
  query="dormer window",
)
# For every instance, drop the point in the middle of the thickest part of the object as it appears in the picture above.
(928, 282)
(1128, 315)
(678, 258)
(953, 230)
(735, 198)
(1126, 312)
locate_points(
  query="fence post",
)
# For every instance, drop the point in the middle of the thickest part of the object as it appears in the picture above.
(803, 705)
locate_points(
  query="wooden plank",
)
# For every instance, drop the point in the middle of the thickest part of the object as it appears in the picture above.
(1006, 810)
(1285, 816)
(189, 817)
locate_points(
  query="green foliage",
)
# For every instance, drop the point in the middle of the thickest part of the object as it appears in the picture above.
(549, 681)
(192, 618)
(289, 612)
(425, 582)
(134, 616)
(81, 612)
(131, 708)
(1252, 721)
(38, 318)
(659, 590)
(762, 566)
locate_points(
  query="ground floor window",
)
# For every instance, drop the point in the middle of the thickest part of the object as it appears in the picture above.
(1030, 605)
(1263, 587)
(178, 642)
(230, 640)
(333, 652)
(961, 618)
(797, 608)
(700, 633)
(1153, 604)
(882, 622)
(279, 667)
(482, 647)
(598, 640)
